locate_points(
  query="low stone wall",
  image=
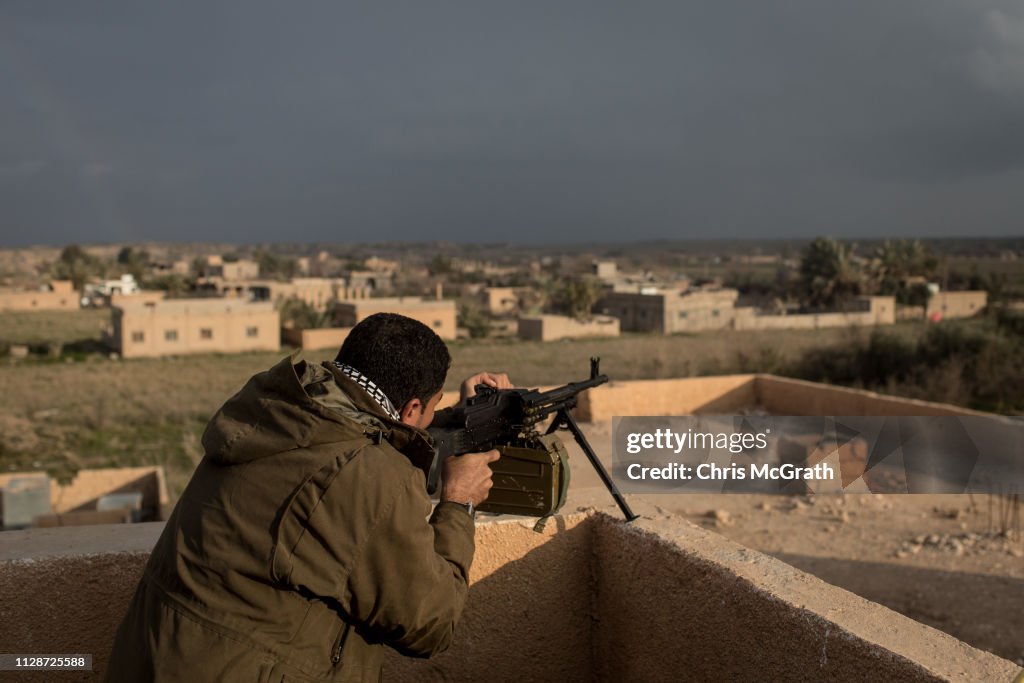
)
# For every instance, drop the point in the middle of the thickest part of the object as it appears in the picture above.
(591, 598)
(806, 321)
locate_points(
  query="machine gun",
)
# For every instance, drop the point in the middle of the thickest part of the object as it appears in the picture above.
(532, 476)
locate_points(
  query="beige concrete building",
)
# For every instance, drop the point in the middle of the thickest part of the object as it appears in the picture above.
(233, 271)
(57, 295)
(183, 326)
(605, 270)
(439, 315)
(500, 300)
(318, 292)
(554, 327)
(670, 312)
(956, 304)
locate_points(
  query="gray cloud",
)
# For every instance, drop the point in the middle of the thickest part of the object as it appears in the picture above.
(511, 121)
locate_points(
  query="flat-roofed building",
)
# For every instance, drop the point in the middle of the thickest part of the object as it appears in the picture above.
(555, 327)
(57, 295)
(437, 314)
(668, 311)
(500, 300)
(233, 271)
(183, 326)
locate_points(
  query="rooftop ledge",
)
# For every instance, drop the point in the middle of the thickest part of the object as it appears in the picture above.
(590, 598)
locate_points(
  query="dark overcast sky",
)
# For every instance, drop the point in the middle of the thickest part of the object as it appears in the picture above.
(510, 121)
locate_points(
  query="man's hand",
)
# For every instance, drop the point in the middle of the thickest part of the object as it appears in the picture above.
(498, 380)
(467, 478)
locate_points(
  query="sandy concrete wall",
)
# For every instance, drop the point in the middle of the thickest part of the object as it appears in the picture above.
(723, 394)
(88, 485)
(588, 599)
(676, 601)
(809, 321)
(783, 396)
(64, 590)
(61, 299)
(727, 394)
(529, 612)
(316, 339)
(555, 327)
(957, 304)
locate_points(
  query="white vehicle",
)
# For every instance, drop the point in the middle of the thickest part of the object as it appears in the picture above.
(99, 294)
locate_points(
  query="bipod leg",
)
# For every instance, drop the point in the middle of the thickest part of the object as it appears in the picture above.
(563, 418)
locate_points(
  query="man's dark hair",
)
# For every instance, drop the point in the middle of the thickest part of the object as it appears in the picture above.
(402, 356)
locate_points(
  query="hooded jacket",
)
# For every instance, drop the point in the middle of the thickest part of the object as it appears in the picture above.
(301, 547)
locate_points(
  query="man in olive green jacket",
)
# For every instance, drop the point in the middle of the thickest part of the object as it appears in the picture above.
(301, 546)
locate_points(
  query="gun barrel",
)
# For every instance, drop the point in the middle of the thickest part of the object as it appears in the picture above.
(568, 391)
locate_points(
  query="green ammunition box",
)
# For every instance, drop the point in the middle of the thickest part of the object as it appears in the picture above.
(531, 478)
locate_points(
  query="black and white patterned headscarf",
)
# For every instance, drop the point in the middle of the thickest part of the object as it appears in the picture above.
(370, 388)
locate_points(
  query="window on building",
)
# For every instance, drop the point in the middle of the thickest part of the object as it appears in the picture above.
(138, 337)
(437, 323)
(714, 312)
(684, 314)
(205, 333)
(171, 335)
(252, 332)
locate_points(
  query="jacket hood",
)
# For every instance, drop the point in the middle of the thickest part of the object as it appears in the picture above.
(299, 405)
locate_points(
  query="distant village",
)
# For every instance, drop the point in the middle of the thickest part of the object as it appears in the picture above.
(226, 303)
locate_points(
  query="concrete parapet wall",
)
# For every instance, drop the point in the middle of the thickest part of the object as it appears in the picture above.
(727, 394)
(589, 599)
(784, 396)
(722, 394)
(529, 614)
(699, 607)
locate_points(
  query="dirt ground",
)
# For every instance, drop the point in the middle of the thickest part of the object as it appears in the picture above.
(938, 559)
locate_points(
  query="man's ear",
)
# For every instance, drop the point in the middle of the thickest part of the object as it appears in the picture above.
(411, 411)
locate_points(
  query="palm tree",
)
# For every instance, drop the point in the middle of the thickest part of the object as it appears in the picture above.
(828, 276)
